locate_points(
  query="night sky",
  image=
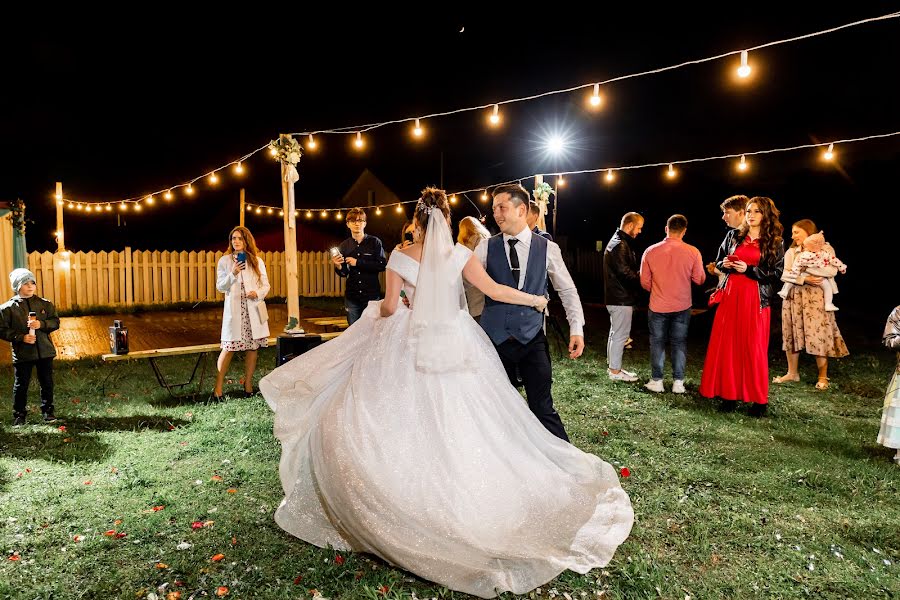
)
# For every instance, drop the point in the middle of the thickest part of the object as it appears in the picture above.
(117, 107)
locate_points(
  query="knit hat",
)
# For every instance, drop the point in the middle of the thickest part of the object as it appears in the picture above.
(20, 277)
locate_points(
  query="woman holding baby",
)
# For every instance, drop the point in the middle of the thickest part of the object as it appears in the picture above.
(806, 324)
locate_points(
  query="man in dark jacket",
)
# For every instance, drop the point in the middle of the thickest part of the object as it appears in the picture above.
(27, 321)
(621, 292)
(360, 258)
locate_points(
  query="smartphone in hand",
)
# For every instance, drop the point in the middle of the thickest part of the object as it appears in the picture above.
(242, 257)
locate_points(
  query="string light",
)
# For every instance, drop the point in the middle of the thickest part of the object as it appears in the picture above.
(417, 130)
(484, 196)
(150, 200)
(399, 209)
(309, 214)
(168, 195)
(189, 190)
(249, 208)
(311, 144)
(378, 211)
(239, 168)
(270, 210)
(324, 214)
(453, 199)
(58, 196)
(339, 215)
(609, 175)
(258, 210)
(742, 166)
(744, 70)
(273, 151)
(138, 207)
(123, 206)
(671, 172)
(108, 207)
(560, 181)
(494, 119)
(71, 205)
(829, 154)
(281, 213)
(87, 208)
(359, 143)
(213, 178)
(596, 99)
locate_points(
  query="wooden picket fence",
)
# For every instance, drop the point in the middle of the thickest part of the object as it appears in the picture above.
(154, 277)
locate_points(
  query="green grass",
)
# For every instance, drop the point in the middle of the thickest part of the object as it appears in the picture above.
(802, 504)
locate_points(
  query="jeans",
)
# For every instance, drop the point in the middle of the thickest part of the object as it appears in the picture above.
(23, 379)
(672, 328)
(619, 330)
(355, 309)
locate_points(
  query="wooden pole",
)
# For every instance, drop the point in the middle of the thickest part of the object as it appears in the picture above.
(61, 265)
(243, 207)
(290, 249)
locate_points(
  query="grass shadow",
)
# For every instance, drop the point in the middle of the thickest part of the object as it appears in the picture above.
(44, 445)
(132, 423)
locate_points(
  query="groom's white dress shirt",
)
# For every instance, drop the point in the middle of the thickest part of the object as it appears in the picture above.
(556, 269)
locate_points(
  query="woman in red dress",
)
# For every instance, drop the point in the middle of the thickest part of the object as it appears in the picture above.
(737, 362)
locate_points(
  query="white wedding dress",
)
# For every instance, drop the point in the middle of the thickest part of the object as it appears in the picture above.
(445, 474)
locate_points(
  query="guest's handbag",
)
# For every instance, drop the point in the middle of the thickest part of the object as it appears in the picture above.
(262, 311)
(716, 296)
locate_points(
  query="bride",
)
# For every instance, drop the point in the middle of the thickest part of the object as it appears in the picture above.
(404, 438)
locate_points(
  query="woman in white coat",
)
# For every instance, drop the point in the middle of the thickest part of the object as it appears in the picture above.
(245, 326)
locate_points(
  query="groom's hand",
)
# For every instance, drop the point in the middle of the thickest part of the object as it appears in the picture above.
(576, 346)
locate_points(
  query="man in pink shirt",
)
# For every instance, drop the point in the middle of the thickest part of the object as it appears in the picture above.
(667, 270)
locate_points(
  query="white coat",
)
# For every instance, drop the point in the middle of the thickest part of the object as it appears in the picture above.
(230, 284)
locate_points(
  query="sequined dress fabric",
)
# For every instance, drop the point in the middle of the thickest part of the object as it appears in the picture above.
(447, 475)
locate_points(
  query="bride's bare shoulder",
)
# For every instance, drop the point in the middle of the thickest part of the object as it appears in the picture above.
(414, 252)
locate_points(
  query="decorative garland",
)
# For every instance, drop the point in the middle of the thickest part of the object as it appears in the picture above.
(17, 207)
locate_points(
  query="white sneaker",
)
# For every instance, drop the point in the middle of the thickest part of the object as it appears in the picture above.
(622, 375)
(655, 385)
(678, 386)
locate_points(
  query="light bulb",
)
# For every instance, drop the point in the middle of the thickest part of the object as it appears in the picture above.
(339, 216)
(359, 143)
(259, 210)
(249, 208)
(311, 144)
(213, 178)
(378, 211)
(108, 207)
(560, 182)
(609, 175)
(150, 199)
(87, 208)
(742, 166)
(494, 119)
(273, 151)
(829, 154)
(417, 130)
(138, 207)
(270, 210)
(324, 214)
(58, 196)
(168, 195)
(71, 205)
(484, 196)
(744, 70)
(453, 199)
(281, 213)
(239, 168)
(309, 214)
(596, 99)
(399, 209)
(123, 206)
(671, 172)
(189, 190)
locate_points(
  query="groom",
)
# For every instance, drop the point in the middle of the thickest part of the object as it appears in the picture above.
(518, 258)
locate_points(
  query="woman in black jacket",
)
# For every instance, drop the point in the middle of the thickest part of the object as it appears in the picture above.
(737, 361)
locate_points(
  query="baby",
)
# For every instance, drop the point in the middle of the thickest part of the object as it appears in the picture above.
(817, 261)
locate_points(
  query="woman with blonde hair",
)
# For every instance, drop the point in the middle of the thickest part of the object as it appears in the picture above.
(245, 326)
(471, 232)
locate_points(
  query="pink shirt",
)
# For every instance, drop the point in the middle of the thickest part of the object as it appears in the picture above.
(667, 270)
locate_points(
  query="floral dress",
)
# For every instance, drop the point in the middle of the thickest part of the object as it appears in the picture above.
(889, 434)
(246, 342)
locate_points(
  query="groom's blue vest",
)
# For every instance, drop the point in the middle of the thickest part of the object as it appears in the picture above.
(503, 321)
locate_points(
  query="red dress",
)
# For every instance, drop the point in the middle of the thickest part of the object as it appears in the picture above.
(737, 361)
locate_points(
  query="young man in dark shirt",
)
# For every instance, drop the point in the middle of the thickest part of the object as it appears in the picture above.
(360, 259)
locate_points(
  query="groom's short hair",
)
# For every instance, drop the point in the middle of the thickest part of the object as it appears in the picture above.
(517, 194)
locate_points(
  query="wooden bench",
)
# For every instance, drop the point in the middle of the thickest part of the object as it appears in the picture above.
(201, 351)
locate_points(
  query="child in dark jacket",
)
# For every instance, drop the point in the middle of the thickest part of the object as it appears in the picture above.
(27, 321)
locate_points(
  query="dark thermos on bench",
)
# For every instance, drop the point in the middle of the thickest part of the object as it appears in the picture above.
(118, 338)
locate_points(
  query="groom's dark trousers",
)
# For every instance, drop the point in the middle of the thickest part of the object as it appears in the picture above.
(533, 361)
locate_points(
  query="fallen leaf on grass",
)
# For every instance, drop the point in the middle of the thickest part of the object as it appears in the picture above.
(216, 478)
(67, 440)
(217, 557)
(162, 565)
(176, 595)
(232, 490)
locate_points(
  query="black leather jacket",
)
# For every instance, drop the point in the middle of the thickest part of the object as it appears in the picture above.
(767, 274)
(14, 327)
(621, 277)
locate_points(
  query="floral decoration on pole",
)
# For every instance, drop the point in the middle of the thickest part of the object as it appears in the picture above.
(287, 150)
(542, 195)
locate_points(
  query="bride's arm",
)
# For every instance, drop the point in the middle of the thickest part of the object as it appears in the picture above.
(392, 285)
(477, 276)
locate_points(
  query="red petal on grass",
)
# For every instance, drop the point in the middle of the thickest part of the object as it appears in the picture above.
(88, 482)
(117, 522)
(626, 472)
(158, 508)
(217, 557)
(162, 565)
(62, 427)
(120, 535)
(339, 560)
(605, 433)
(78, 538)
(14, 557)
(109, 532)
(176, 595)
(232, 491)
(384, 589)
(221, 591)
(197, 525)
(298, 579)
(28, 470)
(216, 478)
(18, 474)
